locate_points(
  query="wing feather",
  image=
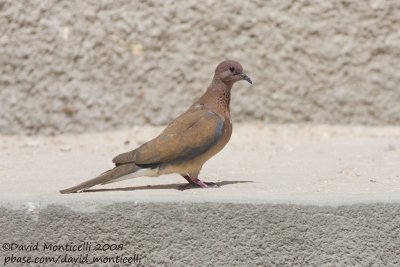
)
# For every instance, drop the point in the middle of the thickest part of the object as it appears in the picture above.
(188, 136)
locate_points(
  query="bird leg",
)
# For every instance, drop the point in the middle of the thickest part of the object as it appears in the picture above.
(187, 177)
(195, 183)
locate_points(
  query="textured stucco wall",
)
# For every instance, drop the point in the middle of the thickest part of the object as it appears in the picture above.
(176, 234)
(74, 66)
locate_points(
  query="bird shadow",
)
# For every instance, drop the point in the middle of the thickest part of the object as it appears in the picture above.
(162, 186)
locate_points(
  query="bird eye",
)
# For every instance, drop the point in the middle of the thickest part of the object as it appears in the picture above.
(232, 69)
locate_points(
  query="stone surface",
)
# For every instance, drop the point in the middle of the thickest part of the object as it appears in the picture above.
(292, 163)
(214, 234)
(293, 195)
(99, 65)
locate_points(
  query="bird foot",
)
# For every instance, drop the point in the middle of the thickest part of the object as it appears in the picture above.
(199, 184)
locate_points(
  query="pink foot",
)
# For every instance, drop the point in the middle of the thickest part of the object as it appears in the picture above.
(196, 183)
(200, 183)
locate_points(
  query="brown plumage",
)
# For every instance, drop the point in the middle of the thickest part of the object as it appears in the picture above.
(187, 142)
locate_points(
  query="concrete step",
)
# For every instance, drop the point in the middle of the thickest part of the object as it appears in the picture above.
(289, 195)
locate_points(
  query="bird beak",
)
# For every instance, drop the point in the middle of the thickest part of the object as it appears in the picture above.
(246, 78)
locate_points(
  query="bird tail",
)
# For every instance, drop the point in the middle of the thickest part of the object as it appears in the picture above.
(104, 178)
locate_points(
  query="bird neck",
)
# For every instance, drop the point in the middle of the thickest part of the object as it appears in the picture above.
(217, 97)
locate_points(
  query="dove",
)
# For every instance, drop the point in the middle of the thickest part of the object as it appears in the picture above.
(186, 143)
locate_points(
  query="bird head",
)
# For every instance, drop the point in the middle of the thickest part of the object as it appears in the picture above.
(230, 71)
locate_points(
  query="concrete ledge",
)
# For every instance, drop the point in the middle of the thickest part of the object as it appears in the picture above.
(212, 234)
(290, 195)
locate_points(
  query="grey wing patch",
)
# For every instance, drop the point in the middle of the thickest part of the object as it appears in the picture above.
(192, 152)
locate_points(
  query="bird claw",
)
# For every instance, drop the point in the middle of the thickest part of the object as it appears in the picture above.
(201, 184)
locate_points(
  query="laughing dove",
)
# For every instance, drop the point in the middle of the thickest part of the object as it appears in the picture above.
(187, 142)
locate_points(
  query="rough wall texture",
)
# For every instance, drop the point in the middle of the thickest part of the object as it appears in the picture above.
(74, 66)
(213, 234)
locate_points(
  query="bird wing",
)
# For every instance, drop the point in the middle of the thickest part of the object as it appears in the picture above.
(188, 136)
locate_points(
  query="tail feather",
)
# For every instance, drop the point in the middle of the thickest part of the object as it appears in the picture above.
(139, 173)
(103, 178)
